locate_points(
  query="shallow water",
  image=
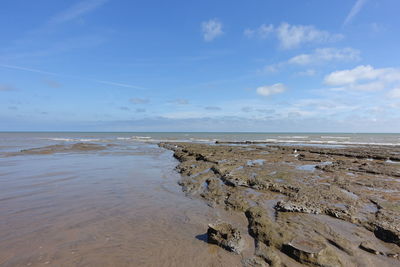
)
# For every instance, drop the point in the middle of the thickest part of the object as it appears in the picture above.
(120, 206)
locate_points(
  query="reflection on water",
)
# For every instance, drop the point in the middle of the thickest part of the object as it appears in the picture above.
(118, 206)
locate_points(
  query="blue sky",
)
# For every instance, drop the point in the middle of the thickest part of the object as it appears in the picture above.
(260, 65)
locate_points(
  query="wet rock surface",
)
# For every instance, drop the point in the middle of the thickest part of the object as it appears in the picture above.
(77, 147)
(304, 205)
(225, 236)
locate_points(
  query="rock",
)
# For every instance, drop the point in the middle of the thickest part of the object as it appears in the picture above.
(371, 248)
(263, 229)
(225, 236)
(236, 201)
(214, 193)
(288, 206)
(269, 254)
(304, 250)
(367, 246)
(254, 262)
(313, 252)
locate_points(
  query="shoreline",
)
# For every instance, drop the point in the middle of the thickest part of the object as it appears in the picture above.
(308, 205)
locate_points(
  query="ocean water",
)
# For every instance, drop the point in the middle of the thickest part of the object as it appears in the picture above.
(115, 199)
(10, 141)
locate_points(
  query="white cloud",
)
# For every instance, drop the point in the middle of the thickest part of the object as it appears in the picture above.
(394, 93)
(292, 36)
(211, 29)
(364, 78)
(371, 86)
(326, 54)
(362, 73)
(318, 56)
(268, 90)
(261, 32)
(354, 11)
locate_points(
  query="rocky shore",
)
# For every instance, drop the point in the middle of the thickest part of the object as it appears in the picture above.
(303, 205)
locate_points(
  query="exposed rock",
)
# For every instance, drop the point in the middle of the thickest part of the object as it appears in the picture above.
(225, 236)
(255, 262)
(311, 252)
(264, 229)
(296, 207)
(236, 201)
(279, 186)
(77, 147)
(304, 250)
(367, 246)
(269, 254)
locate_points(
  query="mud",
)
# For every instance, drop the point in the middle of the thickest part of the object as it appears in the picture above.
(305, 205)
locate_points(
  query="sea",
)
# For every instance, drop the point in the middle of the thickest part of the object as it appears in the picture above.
(115, 201)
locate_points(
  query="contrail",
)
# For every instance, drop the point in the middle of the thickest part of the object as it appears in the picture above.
(70, 76)
(354, 11)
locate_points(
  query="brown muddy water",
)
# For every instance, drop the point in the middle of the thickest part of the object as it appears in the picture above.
(113, 205)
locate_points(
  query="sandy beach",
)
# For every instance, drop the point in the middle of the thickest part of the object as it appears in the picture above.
(102, 199)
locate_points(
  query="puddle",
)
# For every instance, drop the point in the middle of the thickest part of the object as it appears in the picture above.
(382, 190)
(255, 162)
(200, 173)
(340, 206)
(308, 167)
(370, 208)
(392, 162)
(350, 194)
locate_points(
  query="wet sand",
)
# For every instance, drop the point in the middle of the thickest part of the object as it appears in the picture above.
(103, 207)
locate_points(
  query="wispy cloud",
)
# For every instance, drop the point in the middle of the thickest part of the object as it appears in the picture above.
(179, 101)
(119, 84)
(27, 69)
(6, 87)
(394, 93)
(261, 32)
(138, 100)
(326, 54)
(76, 11)
(52, 84)
(69, 76)
(354, 11)
(268, 90)
(212, 108)
(292, 36)
(317, 57)
(39, 41)
(211, 29)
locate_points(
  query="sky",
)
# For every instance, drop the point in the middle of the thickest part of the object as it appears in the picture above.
(252, 66)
